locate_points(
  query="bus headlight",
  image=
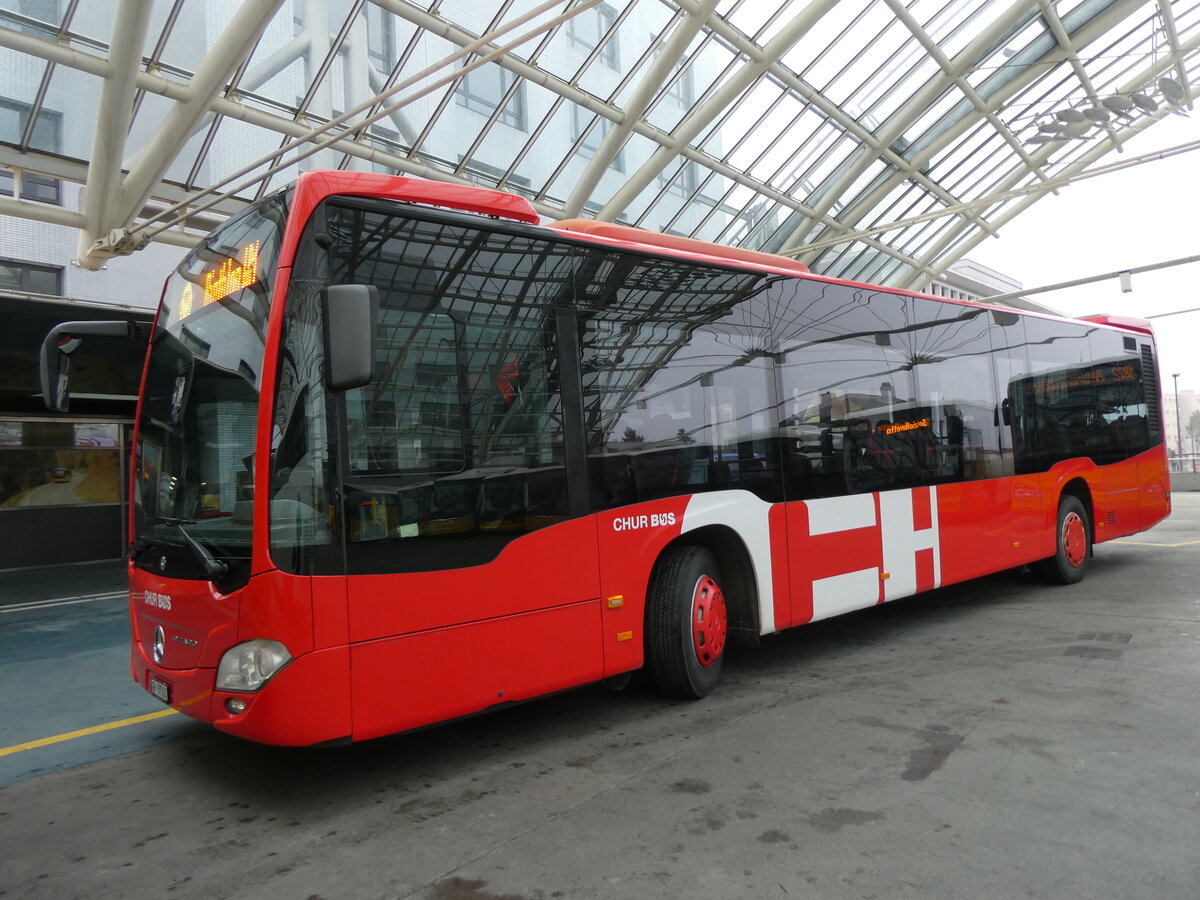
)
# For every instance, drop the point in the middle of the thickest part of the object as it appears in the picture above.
(248, 666)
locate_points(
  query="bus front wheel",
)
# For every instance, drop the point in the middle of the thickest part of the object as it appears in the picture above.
(1072, 544)
(687, 622)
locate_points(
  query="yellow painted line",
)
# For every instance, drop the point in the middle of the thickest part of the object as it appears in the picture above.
(1151, 544)
(84, 732)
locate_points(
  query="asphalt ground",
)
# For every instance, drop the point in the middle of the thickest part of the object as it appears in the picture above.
(1001, 738)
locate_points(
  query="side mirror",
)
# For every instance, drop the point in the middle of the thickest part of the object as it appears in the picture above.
(63, 340)
(350, 312)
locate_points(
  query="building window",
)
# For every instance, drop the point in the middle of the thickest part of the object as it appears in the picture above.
(30, 278)
(481, 91)
(381, 38)
(47, 129)
(683, 86)
(33, 187)
(59, 464)
(580, 120)
(43, 11)
(683, 184)
(587, 30)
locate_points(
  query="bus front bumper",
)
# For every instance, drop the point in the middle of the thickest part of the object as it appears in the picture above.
(307, 702)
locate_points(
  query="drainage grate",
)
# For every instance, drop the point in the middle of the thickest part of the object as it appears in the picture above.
(1107, 637)
(1094, 652)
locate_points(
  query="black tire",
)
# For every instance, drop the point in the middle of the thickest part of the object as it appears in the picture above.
(686, 623)
(1072, 544)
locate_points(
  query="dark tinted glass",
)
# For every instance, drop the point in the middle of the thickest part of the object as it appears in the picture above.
(950, 349)
(852, 421)
(456, 445)
(1084, 396)
(1122, 426)
(678, 382)
(196, 439)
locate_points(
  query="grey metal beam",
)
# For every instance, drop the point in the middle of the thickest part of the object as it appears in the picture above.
(931, 47)
(113, 117)
(76, 171)
(1050, 14)
(910, 112)
(379, 83)
(939, 257)
(947, 251)
(57, 215)
(818, 101)
(1094, 29)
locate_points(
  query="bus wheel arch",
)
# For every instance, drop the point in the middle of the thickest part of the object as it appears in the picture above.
(1074, 536)
(700, 591)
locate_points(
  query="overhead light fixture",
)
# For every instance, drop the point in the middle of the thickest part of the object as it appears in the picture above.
(1076, 123)
(1174, 94)
(1144, 102)
(1172, 90)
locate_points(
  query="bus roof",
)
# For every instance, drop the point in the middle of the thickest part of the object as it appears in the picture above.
(627, 234)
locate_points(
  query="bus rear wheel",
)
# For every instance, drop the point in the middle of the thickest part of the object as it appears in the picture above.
(687, 623)
(1072, 544)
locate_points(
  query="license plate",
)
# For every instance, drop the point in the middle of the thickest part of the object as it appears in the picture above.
(160, 689)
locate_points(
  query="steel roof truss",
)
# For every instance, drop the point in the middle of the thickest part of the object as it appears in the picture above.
(700, 115)
(1094, 28)
(648, 88)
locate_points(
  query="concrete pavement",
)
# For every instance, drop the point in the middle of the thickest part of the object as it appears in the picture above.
(1001, 738)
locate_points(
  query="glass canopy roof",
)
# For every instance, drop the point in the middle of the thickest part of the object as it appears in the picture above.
(877, 140)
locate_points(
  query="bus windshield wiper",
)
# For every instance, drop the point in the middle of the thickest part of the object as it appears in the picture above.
(213, 567)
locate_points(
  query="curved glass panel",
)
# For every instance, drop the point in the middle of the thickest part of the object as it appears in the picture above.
(194, 472)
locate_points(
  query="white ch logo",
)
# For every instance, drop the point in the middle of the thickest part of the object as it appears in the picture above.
(901, 541)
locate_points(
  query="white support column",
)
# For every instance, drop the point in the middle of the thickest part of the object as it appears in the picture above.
(260, 74)
(701, 116)
(378, 85)
(232, 47)
(113, 116)
(316, 23)
(356, 65)
(660, 70)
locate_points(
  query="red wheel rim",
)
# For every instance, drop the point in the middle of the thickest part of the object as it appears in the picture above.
(1074, 539)
(709, 621)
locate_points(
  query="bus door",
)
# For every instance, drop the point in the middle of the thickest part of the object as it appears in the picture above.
(467, 576)
(468, 583)
(1021, 510)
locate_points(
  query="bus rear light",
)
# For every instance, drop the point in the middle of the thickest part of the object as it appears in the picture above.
(249, 666)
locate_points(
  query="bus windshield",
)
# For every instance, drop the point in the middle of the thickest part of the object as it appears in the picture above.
(195, 451)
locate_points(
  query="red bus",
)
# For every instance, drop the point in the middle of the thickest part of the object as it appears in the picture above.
(405, 455)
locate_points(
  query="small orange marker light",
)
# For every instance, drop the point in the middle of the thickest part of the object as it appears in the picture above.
(616, 602)
(624, 636)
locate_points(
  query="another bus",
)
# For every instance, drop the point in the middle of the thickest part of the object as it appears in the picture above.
(405, 455)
